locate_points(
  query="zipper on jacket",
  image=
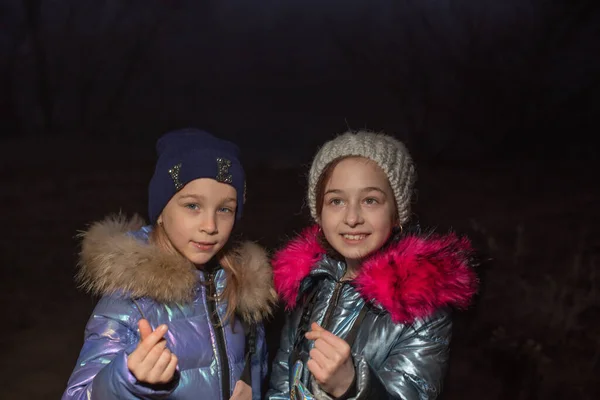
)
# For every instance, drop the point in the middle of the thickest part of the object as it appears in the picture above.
(332, 304)
(219, 334)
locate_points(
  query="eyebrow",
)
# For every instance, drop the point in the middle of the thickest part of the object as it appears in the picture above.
(196, 197)
(364, 190)
(373, 188)
(190, 196)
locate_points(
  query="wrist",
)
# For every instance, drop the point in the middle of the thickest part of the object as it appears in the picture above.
(349, 392)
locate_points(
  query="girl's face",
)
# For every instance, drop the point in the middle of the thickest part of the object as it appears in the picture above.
(198, 220)
(358, 208)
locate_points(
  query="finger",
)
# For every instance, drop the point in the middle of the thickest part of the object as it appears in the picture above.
(145, 328)
(142, 366)
(316, 370)
(315, 331)
(241, 391)
(169, 371)
(328, 351)
(159, 367)
(312, 335)
(335, 348)
(151, 340)
(143, 347)
(321, 359)
(154, 354)
(316, 327)
(237, 389)
(334, 340)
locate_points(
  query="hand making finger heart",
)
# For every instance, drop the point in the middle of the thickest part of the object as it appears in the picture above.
(151, 361)
(330, 361)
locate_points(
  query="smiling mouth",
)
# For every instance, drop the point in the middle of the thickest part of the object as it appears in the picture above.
(354, 237)
(204, 245)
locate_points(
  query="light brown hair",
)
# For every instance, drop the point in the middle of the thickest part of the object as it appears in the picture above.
(228, 258)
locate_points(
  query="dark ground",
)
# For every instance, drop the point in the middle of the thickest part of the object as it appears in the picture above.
(532, 333)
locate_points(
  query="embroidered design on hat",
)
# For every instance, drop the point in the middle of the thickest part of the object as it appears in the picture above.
(223, 174)
(174, 172)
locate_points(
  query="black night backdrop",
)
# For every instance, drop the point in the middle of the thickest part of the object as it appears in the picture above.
(497, 100)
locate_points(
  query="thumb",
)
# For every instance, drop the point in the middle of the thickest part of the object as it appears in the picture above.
(316, 327)
(237, 389)
(241, 391)
(145, 328)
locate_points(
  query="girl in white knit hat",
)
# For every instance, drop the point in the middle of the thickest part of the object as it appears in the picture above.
(368, 303)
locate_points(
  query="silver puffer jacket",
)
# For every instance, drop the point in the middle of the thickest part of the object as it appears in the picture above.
(407, 290)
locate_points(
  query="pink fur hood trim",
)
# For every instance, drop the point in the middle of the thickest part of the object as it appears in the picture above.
(410, 279)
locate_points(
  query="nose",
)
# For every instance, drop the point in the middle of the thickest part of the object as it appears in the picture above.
(353, 216)
(208, 224)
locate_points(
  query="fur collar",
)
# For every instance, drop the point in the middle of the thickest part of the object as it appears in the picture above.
(410, 279)
(112, 260)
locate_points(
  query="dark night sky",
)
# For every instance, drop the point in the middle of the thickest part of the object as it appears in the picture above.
(87, 86)
(454, 79)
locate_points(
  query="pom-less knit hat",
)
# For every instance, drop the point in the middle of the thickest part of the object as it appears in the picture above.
(390, 154)
(188, 154)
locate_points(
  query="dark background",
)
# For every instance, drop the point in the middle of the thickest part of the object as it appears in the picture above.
(498, 101)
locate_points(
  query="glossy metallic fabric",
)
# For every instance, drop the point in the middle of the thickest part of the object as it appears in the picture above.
(392, 360)
(111, 334)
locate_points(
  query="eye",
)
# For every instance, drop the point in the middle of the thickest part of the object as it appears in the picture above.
(335, 201)
(226, 210)
(192, 206)
(371, 201)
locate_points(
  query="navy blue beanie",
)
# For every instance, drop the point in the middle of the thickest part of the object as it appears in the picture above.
(188, 154)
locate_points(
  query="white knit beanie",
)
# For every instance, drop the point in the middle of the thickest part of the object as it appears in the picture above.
(390, 154)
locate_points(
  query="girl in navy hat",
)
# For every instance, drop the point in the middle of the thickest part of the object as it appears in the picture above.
(181, 308)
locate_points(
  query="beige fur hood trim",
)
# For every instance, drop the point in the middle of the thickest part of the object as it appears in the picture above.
(113, 261)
